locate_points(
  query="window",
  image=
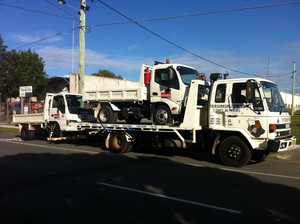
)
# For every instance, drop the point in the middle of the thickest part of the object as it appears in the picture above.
(238, 95)
(162, 77)
(220, 93)
(59, 103)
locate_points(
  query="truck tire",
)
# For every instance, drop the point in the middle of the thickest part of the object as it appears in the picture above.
(25, 134)
(162, 115)
(107, 115)
(235, 152)
(55, 129)
(118, 143)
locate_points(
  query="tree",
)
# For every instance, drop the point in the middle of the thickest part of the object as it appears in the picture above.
(108, 74)
(21, 68)
(2, 47)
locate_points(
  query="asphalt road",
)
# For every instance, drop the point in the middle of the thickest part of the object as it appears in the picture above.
(78, 182)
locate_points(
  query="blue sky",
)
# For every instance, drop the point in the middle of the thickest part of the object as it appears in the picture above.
(262, 41)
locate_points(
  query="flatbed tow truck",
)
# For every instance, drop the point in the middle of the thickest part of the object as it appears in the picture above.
(241, 119)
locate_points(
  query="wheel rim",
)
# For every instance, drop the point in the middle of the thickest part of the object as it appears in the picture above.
(162, 116)
(104, 116)
(233, 152)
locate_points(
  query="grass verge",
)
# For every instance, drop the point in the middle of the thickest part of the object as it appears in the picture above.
(296, 125)
(9, 130)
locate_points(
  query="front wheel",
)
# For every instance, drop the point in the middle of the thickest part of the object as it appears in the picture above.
(235, 152)
(162, 115)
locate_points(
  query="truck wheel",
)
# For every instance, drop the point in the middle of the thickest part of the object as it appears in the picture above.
(162, 115)
(106, 115)
(25, 133)
(119, 143)
(235, 152)
(55, 129)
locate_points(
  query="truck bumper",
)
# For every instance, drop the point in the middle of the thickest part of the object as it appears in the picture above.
(279, 145)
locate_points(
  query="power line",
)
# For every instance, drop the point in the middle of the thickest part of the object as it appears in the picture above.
(197, 14)
(31, 10)
(60, 8)
(174, 44)
(40, 40)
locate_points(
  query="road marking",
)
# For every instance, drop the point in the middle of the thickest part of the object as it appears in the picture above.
(171, 198)
(251, 172)
(262, 174)
(45, 146)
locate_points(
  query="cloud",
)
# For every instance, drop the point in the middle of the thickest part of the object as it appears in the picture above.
(36, 36)
(129, 66)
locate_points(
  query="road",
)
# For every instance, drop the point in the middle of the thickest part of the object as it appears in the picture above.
(77, 182)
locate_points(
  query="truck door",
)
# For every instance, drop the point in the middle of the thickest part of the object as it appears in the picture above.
(165, 88)
(58, 110)
(254, 123)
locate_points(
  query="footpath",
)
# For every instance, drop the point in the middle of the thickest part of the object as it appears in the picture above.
(292, 154)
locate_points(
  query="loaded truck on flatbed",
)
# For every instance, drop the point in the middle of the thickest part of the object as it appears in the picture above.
(159, 96)
(60, 109)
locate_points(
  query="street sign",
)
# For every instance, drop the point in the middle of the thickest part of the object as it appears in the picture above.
(25, 91)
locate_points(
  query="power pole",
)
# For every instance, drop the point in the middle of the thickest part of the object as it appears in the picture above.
(293, 86)
(82, 27)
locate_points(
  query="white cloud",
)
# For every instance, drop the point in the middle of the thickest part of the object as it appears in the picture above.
(129, 66)
(36, 36)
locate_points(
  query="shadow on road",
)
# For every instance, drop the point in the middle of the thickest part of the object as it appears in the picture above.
(64, 188)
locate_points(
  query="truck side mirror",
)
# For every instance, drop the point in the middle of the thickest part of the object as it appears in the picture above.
(249, 91)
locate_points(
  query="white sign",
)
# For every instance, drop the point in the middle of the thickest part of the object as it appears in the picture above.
(25, 89)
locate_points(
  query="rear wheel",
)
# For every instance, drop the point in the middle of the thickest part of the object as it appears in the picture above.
(107, 115)
(235, 152)
(162, 115)
(26, 134)
(119, 143)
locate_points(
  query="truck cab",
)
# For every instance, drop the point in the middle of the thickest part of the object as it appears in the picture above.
(168, 90)
(251, 109)
(63, 108)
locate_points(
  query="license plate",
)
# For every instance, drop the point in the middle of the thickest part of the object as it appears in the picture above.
(293, 142)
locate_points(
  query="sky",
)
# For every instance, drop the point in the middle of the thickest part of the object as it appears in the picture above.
(246, 38)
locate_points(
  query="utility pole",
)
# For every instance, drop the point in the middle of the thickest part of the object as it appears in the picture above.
(293, 86)
(82, 29)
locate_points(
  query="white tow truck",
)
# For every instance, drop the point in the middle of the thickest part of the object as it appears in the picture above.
(240, 119)
(60, 109)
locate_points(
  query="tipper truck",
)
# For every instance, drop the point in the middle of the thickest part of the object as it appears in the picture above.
(60, 109)
(240, 119)
(159, 96)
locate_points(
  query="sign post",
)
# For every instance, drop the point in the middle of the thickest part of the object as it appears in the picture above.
(25, 91)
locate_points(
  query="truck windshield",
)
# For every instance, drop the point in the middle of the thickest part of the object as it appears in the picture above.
(187, 74)
(273, 97)
(74, 103)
